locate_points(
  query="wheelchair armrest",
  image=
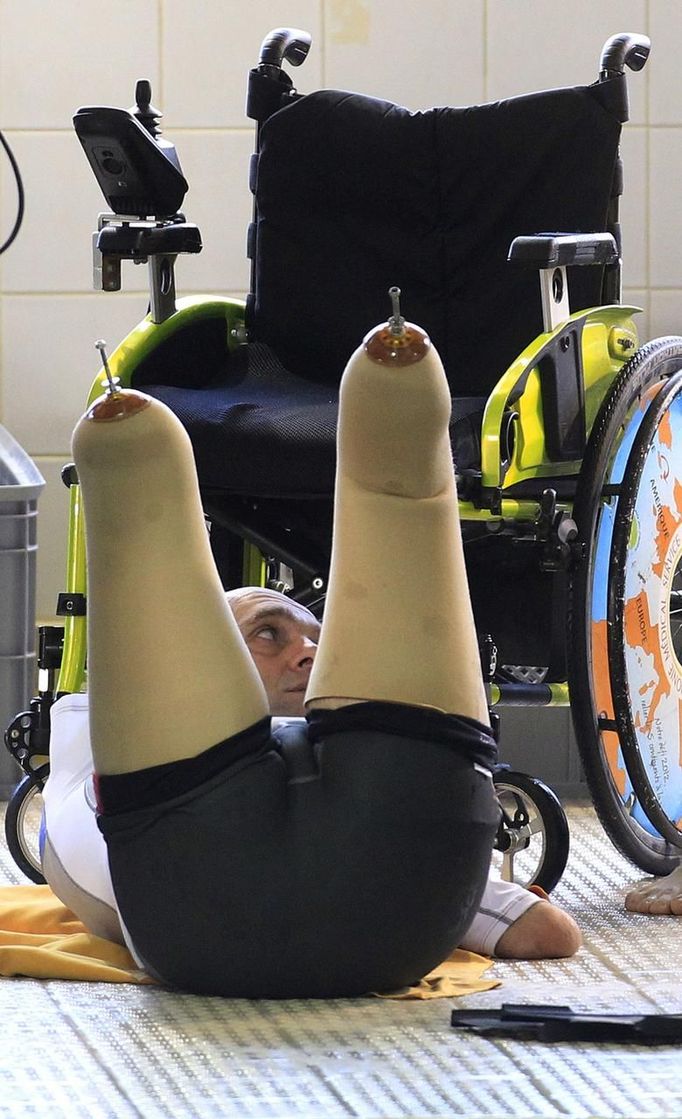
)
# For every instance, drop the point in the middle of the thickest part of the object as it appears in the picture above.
(556, 250)
(139, 240)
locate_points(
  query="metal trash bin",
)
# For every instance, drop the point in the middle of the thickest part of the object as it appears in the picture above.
(20, 486)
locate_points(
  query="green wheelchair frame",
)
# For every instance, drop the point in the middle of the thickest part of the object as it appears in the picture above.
(609, 335)
(629, 396)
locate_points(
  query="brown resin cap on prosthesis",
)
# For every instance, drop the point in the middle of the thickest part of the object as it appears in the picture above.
(117, 405)
(407, 348)
(397, 342)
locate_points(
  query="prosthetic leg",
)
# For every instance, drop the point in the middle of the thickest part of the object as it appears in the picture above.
(398, 623)
(169, 674)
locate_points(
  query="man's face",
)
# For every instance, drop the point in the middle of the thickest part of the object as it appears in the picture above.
(282, 637)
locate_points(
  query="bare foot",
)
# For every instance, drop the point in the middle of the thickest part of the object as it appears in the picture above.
(543, 932)
(657, 895)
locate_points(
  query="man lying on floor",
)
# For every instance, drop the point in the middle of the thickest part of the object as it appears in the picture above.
(282, 637)
(345, 855)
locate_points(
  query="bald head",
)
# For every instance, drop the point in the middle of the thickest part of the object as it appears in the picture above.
(282, 637)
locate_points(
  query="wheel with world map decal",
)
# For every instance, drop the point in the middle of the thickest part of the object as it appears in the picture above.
(624, 643)
(645, 609)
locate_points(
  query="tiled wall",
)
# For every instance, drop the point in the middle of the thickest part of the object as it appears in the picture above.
(54, 57)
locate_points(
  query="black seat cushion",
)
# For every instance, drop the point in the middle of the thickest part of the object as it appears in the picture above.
(258, 430)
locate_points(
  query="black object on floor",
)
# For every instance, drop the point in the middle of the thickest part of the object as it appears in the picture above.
(560, 1023)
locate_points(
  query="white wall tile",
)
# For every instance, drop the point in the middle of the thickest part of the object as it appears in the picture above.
(53, 251)
(665, 213)
(665, 77)
(197, 57)
(55, 57)
(209, 48)
(541, 44)
(639, 297)
(633, 206)
(666, 312)
(49, 361)
(53, 516)
(431, 57)
(216, 165)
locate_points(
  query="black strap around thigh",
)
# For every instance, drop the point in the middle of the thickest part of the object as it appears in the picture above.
(470, 739)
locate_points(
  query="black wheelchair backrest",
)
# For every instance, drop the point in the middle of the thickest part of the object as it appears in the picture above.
(355, 194)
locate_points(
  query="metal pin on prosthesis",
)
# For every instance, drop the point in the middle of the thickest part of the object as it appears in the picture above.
(116, 403)
(113, 387)
(396, 322)
(396, 342)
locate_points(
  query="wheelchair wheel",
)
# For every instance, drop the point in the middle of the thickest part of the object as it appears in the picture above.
(605, 480)
(645, 602)
(23, 820)
(532, 843)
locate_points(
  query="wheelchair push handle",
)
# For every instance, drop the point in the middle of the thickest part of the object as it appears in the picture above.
(624, 49)
(285, 44)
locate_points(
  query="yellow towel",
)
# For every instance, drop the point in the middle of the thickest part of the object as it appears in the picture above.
(461, 974)
(41, 938)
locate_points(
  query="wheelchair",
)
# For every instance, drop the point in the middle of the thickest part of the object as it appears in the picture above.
(564, 447)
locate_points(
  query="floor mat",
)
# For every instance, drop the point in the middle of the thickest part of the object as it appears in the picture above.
(77, 1049)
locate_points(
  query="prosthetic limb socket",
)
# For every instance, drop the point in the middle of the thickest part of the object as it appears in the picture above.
(398, 622)
(166, 660)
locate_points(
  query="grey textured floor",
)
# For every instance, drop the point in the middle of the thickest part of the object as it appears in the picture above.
(77, 1049)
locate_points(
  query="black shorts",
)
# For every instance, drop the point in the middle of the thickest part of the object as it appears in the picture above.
(326, 859)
